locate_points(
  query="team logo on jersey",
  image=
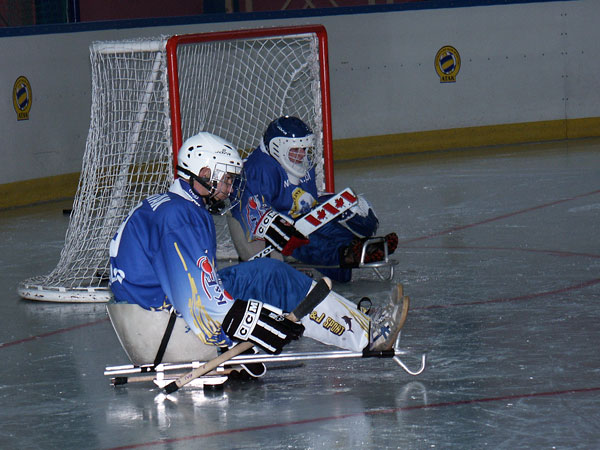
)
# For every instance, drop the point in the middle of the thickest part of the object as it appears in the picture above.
(254, 212)
(302, 202)
(210, 282)
(447, 64)
(22, 98)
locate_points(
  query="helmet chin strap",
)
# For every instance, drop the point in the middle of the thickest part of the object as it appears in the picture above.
(213, 205)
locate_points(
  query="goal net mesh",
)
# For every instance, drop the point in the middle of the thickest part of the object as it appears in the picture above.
(232, 88)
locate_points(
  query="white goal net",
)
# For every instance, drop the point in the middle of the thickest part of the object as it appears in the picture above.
(148, 96)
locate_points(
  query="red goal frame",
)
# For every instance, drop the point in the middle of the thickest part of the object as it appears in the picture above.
(318, 30)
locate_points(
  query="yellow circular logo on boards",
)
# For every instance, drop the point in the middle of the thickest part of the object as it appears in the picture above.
(22, 98)
(447, 64)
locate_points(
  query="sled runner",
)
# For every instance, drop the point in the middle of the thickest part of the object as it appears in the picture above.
(384, 269)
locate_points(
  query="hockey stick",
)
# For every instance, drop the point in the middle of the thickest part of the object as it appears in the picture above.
(321, 215)
(314, 297)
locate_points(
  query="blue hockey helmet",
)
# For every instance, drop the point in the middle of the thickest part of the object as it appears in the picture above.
(292, 143)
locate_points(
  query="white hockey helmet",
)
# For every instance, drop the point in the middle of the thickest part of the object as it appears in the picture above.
(220, 156)
(292, 143)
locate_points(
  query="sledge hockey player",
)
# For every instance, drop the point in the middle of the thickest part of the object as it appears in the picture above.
(281, 182)
(164, 255)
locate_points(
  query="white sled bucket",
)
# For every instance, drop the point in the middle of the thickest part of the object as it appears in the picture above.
(140, 333)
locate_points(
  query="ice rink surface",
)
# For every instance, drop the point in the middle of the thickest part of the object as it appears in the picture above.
(500, 254)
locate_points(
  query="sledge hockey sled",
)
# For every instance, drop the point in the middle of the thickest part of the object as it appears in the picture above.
(154, 340)
(161, 348)
(383, 269)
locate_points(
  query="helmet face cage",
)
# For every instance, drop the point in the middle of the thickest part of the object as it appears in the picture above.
(226, 176)
(296, 155)
(292, 143)
(227, 180)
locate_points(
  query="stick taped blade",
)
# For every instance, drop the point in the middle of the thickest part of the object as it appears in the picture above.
(314, 297)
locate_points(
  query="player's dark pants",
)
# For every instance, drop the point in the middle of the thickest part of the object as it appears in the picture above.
(268, 280)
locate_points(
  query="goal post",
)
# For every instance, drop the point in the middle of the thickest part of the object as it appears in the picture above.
(316, 111)
(148, 96)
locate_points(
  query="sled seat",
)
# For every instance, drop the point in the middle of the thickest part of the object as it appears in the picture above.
(140, 333)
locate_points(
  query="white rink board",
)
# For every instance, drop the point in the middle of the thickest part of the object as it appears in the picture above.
(520, 63)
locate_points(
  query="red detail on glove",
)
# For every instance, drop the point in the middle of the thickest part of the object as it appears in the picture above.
(293, 244)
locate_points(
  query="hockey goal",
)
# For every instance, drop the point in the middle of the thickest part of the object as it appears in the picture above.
(148, 96)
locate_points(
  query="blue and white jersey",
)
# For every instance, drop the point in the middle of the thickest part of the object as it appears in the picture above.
(165, 253)
(268, 187)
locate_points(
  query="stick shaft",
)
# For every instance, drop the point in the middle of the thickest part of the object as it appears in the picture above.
(223, 357)
(210, 365)
(314, 297)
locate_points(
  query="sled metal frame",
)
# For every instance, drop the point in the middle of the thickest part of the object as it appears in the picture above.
(384, 269)
(165, 373)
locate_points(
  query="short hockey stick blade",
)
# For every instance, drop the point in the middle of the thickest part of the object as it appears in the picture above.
(316, 295)
(313, 298)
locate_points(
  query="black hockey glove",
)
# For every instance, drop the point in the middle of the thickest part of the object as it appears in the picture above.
(280, 233)
(262, 324)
